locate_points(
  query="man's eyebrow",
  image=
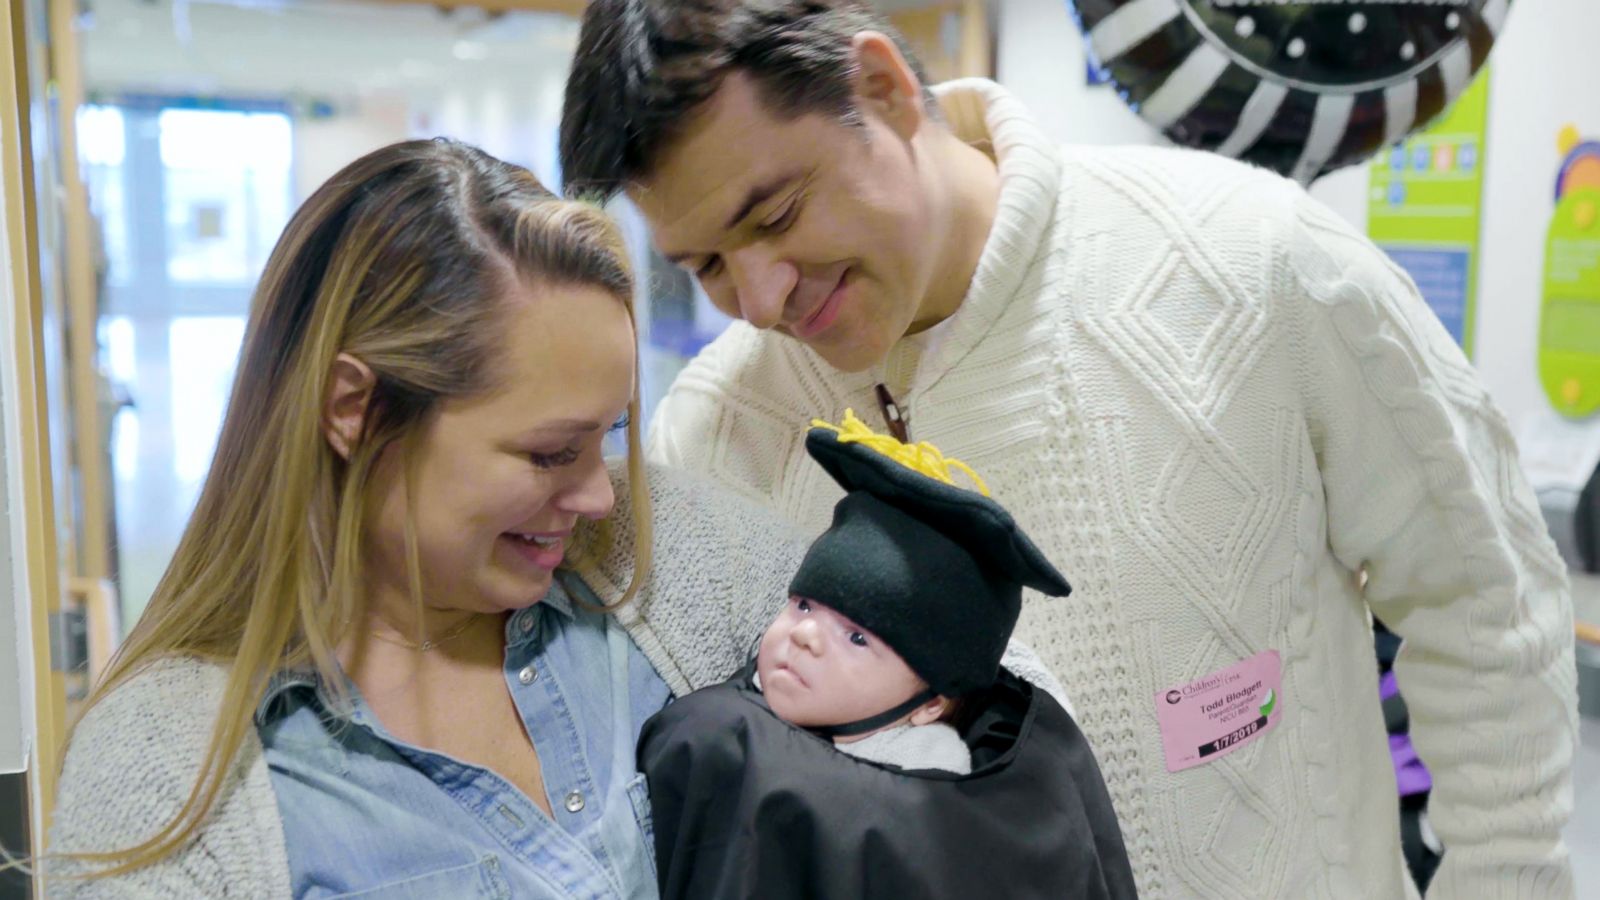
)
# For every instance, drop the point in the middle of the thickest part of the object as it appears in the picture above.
(758, 194)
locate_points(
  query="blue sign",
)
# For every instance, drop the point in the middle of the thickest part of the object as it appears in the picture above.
(1441, 277)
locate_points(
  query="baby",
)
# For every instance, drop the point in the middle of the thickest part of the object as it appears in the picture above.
(875, 747)
(823, 671)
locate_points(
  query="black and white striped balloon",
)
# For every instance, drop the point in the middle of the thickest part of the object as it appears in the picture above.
(1299, 87)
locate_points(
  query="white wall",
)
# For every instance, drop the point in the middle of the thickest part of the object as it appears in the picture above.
(514, 120)
(514, 124)
(1041, 59)
(1544, 71)
(324, 146)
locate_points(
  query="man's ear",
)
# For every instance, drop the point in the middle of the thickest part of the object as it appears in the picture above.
(885, 84)
(932, 711)
(344, 410)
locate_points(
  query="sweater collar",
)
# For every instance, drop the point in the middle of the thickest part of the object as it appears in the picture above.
(986, 116)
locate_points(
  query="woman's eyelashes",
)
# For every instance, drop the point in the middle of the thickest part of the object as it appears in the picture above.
(555, 460)
(569, 455)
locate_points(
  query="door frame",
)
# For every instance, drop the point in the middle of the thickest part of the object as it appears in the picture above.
(25, 429)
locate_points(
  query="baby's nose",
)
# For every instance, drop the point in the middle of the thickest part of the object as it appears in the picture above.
(806, 635)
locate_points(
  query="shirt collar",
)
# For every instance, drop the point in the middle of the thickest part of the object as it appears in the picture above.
(558, 599)
(280, 685)
(521, 626)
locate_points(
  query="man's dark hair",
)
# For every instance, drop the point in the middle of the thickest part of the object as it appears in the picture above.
(643, 66)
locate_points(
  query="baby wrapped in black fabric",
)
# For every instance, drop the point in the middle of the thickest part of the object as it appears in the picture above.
(896, 624)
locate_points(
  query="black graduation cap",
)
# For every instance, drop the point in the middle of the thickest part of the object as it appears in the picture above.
(935, 570)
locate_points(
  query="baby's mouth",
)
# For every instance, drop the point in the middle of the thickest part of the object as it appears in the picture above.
(785, 669)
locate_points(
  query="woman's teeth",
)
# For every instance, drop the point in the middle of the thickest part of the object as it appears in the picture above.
(538, 541)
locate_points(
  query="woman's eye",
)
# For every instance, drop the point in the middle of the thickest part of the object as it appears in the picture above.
(553, 460)
(857, 638)
(622, 422)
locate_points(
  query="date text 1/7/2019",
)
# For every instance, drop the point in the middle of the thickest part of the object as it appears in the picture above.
(1234, 737)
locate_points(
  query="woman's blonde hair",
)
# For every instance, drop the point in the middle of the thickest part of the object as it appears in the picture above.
(401, 260)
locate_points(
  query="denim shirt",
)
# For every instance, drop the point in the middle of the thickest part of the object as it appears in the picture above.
(367, 815)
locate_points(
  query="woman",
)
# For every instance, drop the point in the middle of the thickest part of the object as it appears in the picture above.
(360, 675)
(435, 353)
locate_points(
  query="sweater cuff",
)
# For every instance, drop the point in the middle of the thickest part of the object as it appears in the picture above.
(1481, 873)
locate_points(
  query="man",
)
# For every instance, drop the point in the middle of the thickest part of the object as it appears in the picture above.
(1219, 409)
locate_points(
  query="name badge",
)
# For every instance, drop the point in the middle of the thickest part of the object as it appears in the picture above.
(1211, 717)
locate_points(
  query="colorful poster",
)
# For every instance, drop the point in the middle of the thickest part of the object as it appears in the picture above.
(1426, 205)
(1569, 314)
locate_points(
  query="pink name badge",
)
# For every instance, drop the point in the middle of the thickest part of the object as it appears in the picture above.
(1207, 719)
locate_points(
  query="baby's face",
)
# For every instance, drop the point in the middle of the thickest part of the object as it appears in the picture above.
(819, 668)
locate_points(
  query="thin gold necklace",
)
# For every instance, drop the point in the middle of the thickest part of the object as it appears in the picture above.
(451, 633)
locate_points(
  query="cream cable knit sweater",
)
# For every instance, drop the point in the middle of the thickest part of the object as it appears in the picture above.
(722, 568)
(1212, 403)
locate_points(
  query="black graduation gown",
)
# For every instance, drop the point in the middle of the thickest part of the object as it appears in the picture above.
(747, 806)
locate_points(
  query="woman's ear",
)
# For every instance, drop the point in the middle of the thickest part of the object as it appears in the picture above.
(932, 711)
(344, 411)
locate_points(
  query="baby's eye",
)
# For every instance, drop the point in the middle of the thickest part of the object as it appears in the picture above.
(803, 605)
(857, 638)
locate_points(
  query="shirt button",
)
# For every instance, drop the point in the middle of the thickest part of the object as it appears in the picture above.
(575, 802)
(528, 675)
(527, 622)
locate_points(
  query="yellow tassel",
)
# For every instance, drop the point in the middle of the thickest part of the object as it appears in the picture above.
(921, 457)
